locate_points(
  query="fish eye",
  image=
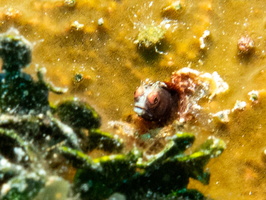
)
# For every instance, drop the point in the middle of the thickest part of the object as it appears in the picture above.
(153, 98)
(139, 92)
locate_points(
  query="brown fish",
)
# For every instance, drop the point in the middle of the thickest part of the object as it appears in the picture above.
(154, 101)
(177, 99)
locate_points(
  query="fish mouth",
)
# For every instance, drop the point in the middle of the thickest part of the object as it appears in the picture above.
(143, 112)
(139, 110)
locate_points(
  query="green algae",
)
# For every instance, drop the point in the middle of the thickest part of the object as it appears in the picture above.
(149, 36)
(163, 173)
(78, 115)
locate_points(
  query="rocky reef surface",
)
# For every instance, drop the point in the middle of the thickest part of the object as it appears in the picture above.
(59, 152)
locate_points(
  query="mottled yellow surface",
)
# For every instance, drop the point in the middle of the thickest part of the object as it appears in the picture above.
(68, 41)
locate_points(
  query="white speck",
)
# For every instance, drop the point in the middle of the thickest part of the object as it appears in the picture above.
(4, 163)
(100, 21)
(5, 188)
(167, 26)
(42, 172)
(117, 196)
(19, 152)
(77, 26)
(84, 187)
(253, 95)
(223, 116)
(206, 34)
(239, 105)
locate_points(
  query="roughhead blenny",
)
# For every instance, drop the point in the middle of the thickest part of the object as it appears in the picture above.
(161, 101)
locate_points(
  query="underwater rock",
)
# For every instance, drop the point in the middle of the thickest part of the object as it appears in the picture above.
(149, 39)
(149, 36)
(245, 45)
